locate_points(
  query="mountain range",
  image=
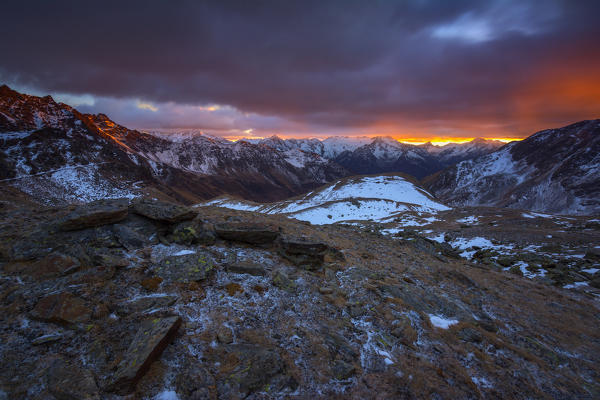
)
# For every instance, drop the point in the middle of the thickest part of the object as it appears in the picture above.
(382, 154)
(56, 154)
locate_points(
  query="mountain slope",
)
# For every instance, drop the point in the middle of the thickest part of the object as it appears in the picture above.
(51, 148)
(362, 198)
(555, 170)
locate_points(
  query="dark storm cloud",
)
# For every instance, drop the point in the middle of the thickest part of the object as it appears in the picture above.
(357, 64)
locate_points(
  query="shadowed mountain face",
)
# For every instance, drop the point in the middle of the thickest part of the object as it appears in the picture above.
(556, 170)
(52, 151)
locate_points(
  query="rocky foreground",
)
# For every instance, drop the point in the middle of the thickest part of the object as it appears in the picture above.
(147, 299)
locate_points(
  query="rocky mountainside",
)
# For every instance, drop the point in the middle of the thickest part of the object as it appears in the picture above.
(363, 155)
(151, 300)
(56, 153)
(555, 171)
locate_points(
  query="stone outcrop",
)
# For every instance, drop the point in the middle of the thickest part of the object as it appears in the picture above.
(97, 213)
(147, 345)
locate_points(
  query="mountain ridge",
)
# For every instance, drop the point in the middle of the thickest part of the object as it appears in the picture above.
(554, 170)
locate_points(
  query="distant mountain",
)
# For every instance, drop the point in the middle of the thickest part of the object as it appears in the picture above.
(55, 153)
(555, 170)
(364, 155)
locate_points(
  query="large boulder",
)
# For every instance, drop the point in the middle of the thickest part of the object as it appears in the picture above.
(252, 233)
(96, 213)
(62, 308)
(163, 211)
(147, 345)
(304, 253)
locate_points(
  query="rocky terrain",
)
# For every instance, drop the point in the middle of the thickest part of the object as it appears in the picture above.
(555, 171)
(146, 299)
(553, 249)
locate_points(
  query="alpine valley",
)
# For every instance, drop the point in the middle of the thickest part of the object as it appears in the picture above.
(155, 265)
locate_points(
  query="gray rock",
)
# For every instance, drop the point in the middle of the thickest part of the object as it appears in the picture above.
(163, 211)
(251, 233)
(246, 267)
(96, 213)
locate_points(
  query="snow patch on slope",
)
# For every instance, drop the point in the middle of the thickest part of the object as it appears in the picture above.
(370, 198)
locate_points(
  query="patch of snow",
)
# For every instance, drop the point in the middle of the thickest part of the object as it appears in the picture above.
(439, 238)
(482, 382)
(575, 285)
(167, 395)
(468, 220)
(441, 322)
(15, 135)
(590, 270)
(184, 252)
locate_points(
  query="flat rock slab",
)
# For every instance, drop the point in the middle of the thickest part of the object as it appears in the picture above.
(62, 308)
(245, 267)
(299, 246)
(252, 233)
(147, 345)
(163, 211)
(186, 268)
(96, 213)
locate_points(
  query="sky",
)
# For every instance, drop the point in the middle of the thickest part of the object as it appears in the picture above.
(412, 69)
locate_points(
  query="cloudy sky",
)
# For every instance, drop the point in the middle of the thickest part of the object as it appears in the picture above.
(413, 68)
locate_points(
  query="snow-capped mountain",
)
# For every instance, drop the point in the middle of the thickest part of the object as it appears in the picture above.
(453, 153)
(555, 170)
(361, 198)
(364, 155)
(329, 148)
(50, 147)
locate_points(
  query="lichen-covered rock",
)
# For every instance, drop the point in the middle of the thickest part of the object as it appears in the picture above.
(192, 232)
(253, 233)
(147, 345)
(282, 281)
(163, 211)
(185, 268)
(96, 213)
(62, 308)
